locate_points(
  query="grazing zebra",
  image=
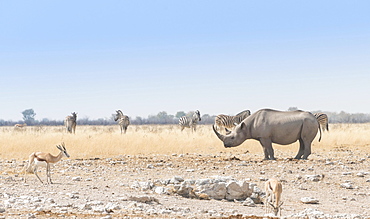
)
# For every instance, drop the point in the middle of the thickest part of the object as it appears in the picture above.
(322, 118)
(186, 122)
(123, 122)
(231, 121)
(70, 122)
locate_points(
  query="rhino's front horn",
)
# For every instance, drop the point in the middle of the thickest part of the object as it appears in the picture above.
(221, 137)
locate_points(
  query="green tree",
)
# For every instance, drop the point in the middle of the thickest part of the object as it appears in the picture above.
(180, 114)
(29, 116)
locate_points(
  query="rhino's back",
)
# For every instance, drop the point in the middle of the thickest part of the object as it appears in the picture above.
(282, 127)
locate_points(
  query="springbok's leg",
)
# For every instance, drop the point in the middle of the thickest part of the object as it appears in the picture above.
(35, 172)
(49, 173)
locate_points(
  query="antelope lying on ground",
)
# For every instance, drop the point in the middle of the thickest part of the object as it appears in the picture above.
(20, 125)
(273, 190)
(44, 159)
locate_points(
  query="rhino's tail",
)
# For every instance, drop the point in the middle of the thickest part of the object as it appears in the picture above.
(320, 131)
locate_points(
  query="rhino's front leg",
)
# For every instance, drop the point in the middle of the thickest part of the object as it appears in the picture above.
(267, 149)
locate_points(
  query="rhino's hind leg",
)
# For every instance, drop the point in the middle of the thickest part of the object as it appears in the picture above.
(304, 149)
(307, 149)
(301, 150)
(267, 149)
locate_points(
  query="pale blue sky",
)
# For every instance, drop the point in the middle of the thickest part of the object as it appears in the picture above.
(94, 57)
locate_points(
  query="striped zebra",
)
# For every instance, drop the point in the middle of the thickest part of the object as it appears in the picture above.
(187, 122)
(123, 122)
(322, 118)
(231, 121)
(70, 122)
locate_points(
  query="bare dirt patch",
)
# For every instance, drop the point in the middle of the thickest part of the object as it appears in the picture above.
(102, 187)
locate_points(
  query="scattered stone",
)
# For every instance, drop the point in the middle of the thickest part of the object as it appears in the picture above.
(143, 199)
(360, 174)
(77, 178)
(346, 185)
(214, 191)
(249, 202)
(309, 200)
(161, 190)
(314, 178)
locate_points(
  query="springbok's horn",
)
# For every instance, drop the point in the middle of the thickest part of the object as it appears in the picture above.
(221, 137)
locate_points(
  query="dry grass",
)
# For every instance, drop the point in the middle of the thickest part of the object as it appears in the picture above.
(106, 141)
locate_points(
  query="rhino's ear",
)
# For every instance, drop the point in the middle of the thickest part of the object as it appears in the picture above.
(243, 125)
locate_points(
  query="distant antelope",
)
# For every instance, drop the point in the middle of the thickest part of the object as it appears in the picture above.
(186, 122)
(70, 122)
(273, 190)
(322, 118)
(20, 125)
(37, 159)
(123, 122)
(231, 121)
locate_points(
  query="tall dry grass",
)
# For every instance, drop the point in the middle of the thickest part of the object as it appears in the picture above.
(106, 141)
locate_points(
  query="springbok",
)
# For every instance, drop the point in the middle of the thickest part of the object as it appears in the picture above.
(273, 190)
(44, 159)
(70, 122)
(20, 125)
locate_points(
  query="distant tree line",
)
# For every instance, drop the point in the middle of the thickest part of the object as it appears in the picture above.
(164, 118)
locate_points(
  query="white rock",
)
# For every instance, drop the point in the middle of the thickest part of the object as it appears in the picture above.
(309, 200)
(314, 178)
(85, 207)
(234, 191)
(161, 190)
(177, 179)
(76, 178)
(249, 202)
(112, 206)
(214, 191)
(203, 181)
(346, 185)
(360, 174)
(143, 199)
(98, 208)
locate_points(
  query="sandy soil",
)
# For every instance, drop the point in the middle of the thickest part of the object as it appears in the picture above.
(80, 184)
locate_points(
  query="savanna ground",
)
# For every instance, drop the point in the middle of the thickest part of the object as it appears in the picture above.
(116, 161)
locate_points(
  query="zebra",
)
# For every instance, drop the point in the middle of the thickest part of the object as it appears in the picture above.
(231, 121)
(322, 118)
(187, 122)
(123, 122)
(70, 122)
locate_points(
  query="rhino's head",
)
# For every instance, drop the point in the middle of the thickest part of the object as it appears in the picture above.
(235, 137)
